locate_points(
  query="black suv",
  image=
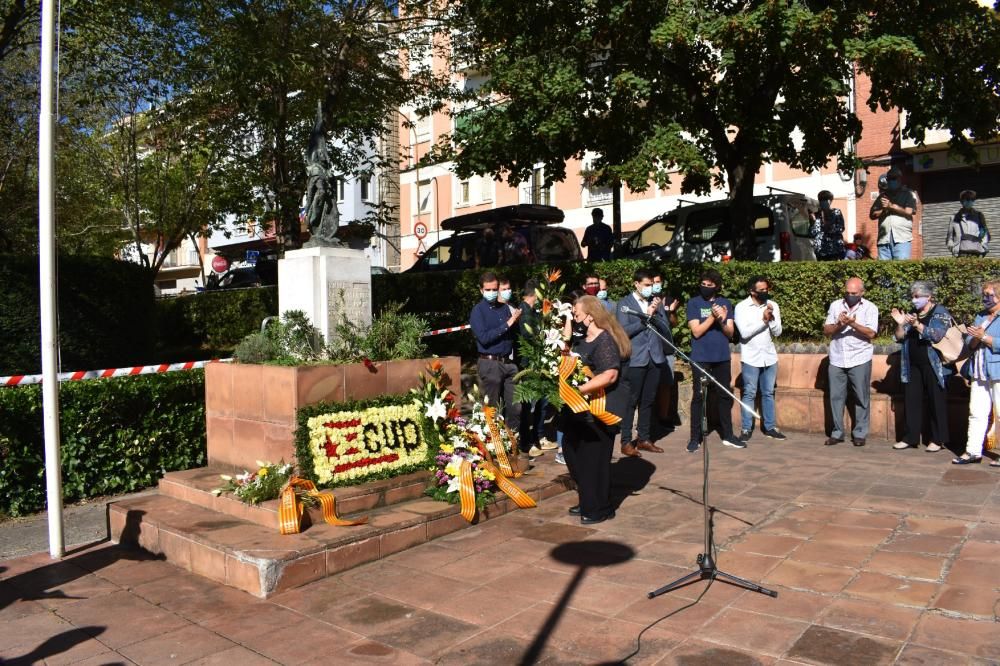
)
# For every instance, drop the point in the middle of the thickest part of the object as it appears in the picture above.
(535, 224)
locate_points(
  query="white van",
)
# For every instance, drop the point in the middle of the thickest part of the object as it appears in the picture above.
(702, 232)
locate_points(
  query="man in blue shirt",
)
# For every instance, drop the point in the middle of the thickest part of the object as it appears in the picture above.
(710, 318)
(494, 323)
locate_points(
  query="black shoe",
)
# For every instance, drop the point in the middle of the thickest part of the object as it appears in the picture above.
(574, 510)
(693, 446)
(735, 443)
(830, 441)
(584, 520)
(774, 433)
(858, 441)
(971, 460)
(746, 435)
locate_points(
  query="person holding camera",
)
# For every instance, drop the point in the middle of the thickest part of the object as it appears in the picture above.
(967, 233)
(827, 230)
(894, 209)
(758, 320)
(922, 372)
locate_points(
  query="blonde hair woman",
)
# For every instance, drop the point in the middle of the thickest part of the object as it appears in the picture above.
(983, 371)
(587, 442)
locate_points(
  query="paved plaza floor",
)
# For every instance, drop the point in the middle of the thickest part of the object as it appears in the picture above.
(878, 557)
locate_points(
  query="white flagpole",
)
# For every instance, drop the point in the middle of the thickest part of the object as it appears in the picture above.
(47, 285)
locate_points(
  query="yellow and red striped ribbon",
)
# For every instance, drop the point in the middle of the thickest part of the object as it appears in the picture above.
(467, 491)
(290, 508)
(991, 431)
(491, 423)
(521, 498)
(576, 402)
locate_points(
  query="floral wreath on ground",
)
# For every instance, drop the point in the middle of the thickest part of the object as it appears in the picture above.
(342, 444)
(261, 485)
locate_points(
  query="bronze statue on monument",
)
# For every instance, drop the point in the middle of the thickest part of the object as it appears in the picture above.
(321, 211)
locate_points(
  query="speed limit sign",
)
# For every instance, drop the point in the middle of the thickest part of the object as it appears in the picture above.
(420, 230)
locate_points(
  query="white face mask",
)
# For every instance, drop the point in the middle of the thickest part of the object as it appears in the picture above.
(490, 294)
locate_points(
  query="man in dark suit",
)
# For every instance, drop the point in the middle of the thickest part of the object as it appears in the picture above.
(642, 375)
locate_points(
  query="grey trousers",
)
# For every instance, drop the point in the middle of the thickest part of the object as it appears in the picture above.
(860, 379)
(496, 381)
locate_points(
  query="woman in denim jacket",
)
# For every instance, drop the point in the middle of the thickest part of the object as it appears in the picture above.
(983, 371)
(922, 372)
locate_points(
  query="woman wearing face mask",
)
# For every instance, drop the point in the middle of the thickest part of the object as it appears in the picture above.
(828, 229)
(983, 371)
(587, 442)
(923, 373)
(967, 234)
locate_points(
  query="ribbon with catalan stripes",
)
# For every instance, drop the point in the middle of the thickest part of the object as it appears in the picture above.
(504, 462)
(290, 507)
(576, 402)
(467, 491)
(991, 432)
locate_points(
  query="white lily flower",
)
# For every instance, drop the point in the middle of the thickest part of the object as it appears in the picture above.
(553, 339)
(436, 410)
(454, 484)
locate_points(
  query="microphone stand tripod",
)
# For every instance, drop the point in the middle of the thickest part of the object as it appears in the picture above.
(707, 567)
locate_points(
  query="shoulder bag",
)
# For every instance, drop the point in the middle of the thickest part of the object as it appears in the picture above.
(952, 347)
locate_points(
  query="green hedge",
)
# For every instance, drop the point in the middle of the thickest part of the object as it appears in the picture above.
(106, 313)
(804, 290)
(118, 435)
(214, 319)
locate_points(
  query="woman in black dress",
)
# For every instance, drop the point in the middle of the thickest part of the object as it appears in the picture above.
(587, 442)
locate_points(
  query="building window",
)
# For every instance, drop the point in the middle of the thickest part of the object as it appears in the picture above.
(485, 188)
(593, 194)
(424, 193)
(340, 189)
(536, 192)
(464, 192)
(423, 127)
(366, 188)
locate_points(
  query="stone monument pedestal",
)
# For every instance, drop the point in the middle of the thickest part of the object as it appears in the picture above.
(328, 284)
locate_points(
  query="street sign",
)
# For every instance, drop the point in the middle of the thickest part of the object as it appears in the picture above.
(220, 264)
(420, 230)
(252, 257)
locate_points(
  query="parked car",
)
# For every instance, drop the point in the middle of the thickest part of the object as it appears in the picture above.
(702, 232)
(544, 242)
(263, 273)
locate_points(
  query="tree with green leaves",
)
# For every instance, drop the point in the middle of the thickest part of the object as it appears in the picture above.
(711, 91)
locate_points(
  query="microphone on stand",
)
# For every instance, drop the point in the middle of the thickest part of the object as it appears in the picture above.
(640, 315)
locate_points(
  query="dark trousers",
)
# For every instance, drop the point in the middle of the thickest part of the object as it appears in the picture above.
(723, 373)
(532, 423)
(496, 380)
(922, 394)
(642, 384)
(587, 447)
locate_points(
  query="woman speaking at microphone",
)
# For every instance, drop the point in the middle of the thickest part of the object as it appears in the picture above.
(587, 442)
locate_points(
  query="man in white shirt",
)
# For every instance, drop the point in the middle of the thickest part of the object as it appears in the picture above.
(852, 324)
(758, 319)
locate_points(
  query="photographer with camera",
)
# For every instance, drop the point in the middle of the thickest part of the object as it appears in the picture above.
(894, 209)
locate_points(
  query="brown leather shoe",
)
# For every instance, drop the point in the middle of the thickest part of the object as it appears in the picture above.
(646, 445)
(629, 449)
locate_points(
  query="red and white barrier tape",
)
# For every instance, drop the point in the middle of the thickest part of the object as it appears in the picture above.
(453, 329)
(22, 380)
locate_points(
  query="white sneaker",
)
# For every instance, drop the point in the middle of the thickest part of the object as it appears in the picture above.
(534, 452)
(899, 446)
(934, 448)
(547, 444)
(559, 458)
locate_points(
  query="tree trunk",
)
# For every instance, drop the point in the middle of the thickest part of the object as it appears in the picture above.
(741, 180)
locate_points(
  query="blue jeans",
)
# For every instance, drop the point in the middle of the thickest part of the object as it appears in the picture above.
(766, 378)
(895, 250)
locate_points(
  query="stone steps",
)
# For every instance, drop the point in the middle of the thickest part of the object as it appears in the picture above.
(232, 543)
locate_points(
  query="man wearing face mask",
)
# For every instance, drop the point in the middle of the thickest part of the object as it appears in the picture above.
(851, 323)
(602, 296)
(667, 396)
(710, 318)
(967, 234)
(827, 230)
(642, 375)
(894, 209)
(494, 323)
(758, 319)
